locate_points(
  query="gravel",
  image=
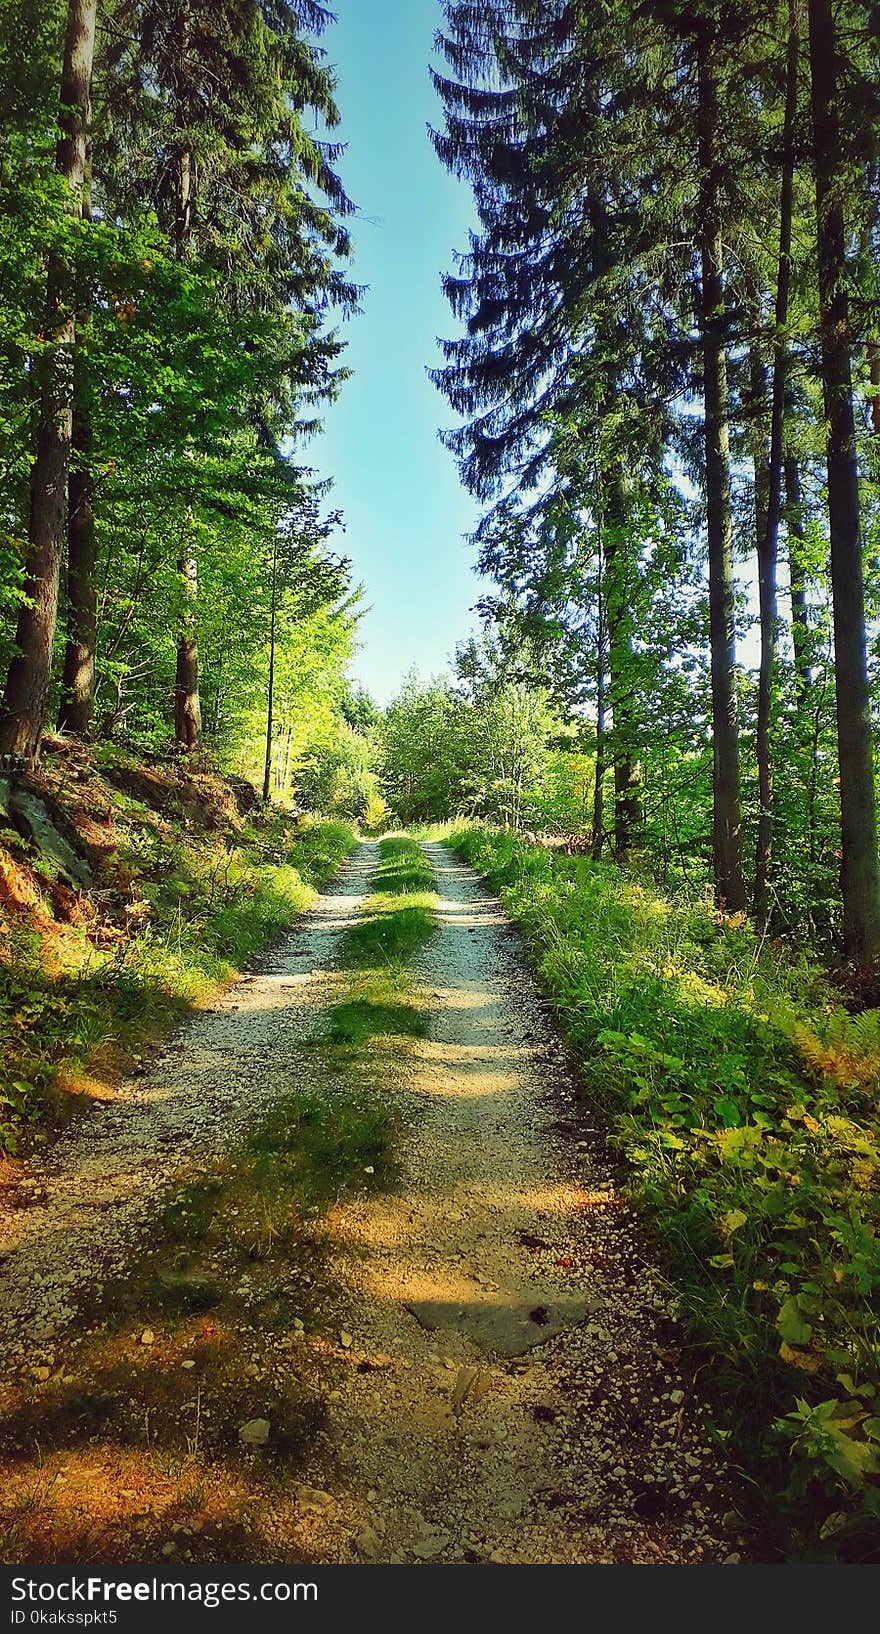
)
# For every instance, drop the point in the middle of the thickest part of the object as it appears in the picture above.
(75, 1215)
(506, 1379)
(586, 1446)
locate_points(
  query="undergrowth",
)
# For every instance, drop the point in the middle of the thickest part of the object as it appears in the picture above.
(745, 1103)
(204, 904)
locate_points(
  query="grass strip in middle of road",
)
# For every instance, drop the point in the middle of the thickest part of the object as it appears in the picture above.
(396, 922)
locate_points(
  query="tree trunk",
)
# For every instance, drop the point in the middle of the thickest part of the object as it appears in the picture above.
(285, 775)
(767, 613)
(187, 704)
(23, 709)
(187, 708)
(800, 622)
(874, 377)
(726, 833)
(78, 679)
(270, 702)
(597, 836)
(624, 753)
(768, 538)
(860, 874)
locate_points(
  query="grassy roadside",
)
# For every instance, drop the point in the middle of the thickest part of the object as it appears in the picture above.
(744, 1103)
(192, 906)
(228, 1318)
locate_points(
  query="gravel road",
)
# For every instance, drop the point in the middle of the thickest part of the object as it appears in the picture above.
(506, 1383)
(511, 1391)
(71, 1216)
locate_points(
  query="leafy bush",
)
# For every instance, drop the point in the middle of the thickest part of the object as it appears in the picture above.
(336, 777)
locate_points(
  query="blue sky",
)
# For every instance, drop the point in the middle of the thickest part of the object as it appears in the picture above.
(405, 510)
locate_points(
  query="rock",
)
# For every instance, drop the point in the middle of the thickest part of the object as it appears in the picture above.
(676, 1397)
(345, 1340)
(189, 1363)
(148, 1337)
(467, 1378)
(310, 1497)
(509, 1330)
(37, 820)
(255, 1433)
(243, 793)
(429, 1548)
(368, 1544)
(482, 1386)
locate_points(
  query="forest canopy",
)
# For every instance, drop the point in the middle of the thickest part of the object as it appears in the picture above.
(173, 275)
(668, 377)
(665, 377)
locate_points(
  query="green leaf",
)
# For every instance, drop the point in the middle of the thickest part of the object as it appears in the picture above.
(728, 1111)
(792, 1324)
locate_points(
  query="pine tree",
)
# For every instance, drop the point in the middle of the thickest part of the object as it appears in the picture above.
(554, 327)
(570, 299)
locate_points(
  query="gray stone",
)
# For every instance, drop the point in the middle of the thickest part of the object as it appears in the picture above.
(255, 1433)
(368, 1544)
(24, 811)
(429, 1548)
(310, 1497)
(505, 1330)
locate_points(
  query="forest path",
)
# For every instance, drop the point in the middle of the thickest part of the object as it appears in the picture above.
(499, 1377)
(510, 1389)
(73, 1214)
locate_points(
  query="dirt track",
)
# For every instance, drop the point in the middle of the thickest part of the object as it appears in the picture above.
(526, 1405)
(79, 1207)
(506, 1380)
